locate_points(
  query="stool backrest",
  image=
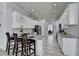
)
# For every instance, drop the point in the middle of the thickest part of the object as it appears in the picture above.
(25, 39)
(15, 37)
(8, 35)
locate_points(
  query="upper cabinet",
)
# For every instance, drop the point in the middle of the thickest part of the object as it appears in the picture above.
(22, 21)
(29, 23)
(16, 19)
(64, 19)
(73, 13)
(70, 15)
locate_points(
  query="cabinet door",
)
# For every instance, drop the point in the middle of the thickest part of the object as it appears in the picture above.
(65, 16)
(39, 47)
(60, 41)
(36, 22)
(73, 13)
(22, 21)
(29, 23)
(16, 19)
(69, 46)
(32, 23)
(26, 22)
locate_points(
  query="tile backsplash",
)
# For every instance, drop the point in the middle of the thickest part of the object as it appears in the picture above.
(72, 30)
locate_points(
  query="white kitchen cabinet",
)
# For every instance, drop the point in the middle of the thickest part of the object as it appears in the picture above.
(22, 22)
(70, 46)
(70, 15)
(26, 22)
(73, 13)
(66, 16)
(29, 23)
(1, 6)
(18, 20)
(64, 19)
(36, 23)
(60, 41)
(39, 47)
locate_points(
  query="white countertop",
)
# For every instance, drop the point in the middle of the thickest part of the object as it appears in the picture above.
(68, 36)
(39, 37)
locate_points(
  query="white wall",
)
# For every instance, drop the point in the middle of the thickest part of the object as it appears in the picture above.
(2, 22)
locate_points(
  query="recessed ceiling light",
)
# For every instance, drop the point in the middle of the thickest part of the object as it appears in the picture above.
(55, 4)
(32, 9)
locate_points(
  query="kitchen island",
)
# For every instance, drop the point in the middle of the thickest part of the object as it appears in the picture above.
(39, 44)
(69, 44)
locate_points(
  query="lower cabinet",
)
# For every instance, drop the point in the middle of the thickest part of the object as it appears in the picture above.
(39, 49)
(60, 41)
(70, 46)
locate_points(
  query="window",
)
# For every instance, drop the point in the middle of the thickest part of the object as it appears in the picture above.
(50, 27)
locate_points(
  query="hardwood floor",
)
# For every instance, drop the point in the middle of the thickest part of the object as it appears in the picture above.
(3, 53)
(51, 47)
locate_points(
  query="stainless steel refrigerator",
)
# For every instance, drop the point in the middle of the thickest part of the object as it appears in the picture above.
(38, 29)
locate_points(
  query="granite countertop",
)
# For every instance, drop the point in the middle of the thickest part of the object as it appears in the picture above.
(39, 37)
(68, 36)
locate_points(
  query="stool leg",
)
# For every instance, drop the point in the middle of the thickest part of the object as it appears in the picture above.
(34, 49)
(29, 48)
(9, 48)
(25, 50)
(14, 49)
(22, 47)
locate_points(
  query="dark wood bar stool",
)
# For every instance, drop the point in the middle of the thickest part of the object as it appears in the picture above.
(17, 44)
(9, 44)
(25, 44)
(29, 45)
(32, 46)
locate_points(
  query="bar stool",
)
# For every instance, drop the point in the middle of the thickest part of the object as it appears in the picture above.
(17, 44)
(25, 44)
(32, 46)
(29, 44)
(9, 44)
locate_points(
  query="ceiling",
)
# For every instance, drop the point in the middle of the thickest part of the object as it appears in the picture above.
(43, 10)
